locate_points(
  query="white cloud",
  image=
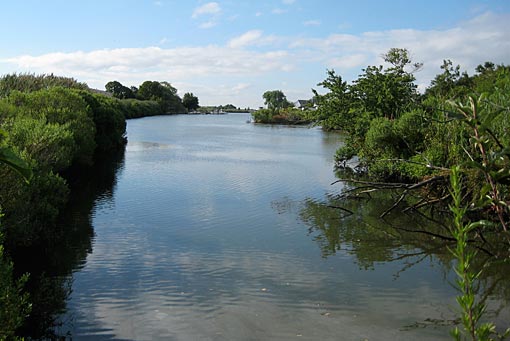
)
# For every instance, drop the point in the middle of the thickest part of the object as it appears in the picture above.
(134, 65)
(208, 8)
(312, 23)
(288, 2)
(279, 11)
(240, 87)
(484, 38)
(208, 24)
(348, 62)
(255, 38)
(247, 38)
(258, 14)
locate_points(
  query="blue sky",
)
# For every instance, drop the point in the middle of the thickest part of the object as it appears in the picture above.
(232, 51)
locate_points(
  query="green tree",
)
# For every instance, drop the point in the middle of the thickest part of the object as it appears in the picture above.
(275, 100)
(334, 108)
(118, 90)
(9, 158)
(387, 92)
(163, 93)
(190, 101)
(109, 120)
(14, 305)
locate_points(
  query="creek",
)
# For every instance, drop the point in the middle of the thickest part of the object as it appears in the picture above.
(212, 228)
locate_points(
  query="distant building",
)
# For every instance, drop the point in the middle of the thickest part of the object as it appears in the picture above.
(303, 104)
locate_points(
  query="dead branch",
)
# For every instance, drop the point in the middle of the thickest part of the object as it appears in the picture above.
(343, 209)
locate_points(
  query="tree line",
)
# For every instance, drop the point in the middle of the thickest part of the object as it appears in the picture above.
(152, 98)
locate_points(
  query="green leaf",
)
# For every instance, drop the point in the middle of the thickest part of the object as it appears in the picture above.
(8, 157)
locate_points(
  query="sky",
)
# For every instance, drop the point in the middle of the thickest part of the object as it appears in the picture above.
(231, 52)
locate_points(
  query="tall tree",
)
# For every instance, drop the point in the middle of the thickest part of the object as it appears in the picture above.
(190, 101)
(333, 110)
(163, 93)
(118, 90)
(275, 100)
(387, 92)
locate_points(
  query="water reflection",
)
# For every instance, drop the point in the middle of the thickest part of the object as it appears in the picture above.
(51, 269)
(355, 227)
(205, 237)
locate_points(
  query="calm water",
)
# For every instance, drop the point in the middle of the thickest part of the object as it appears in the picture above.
(216, 229)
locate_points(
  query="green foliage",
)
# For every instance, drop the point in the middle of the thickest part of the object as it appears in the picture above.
(382, 139)
(472, 308)
(14, 305)
(163, 93)
(369, 106)
(26, 82)
(291, 116)
(44, 131)
(9, 158)
(31, 209)
(61, 106)
(386, 92)
(190, 101)
(276, 100)
(135, 108)
(49, 145)
(396, 134)
(451, 83)
(334, 111)
(118, 90)
(109, 120)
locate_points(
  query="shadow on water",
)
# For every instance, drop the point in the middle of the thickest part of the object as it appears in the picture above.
(57, 258)
(354, 227)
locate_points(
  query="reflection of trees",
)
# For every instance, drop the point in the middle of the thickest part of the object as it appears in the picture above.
(52, 261)
(407, 237)
(364, 234)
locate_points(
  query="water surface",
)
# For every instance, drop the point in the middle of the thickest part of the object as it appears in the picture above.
(216, 230)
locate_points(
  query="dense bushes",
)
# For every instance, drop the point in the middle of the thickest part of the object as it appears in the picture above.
(14, 305)
(398, 134)
(61, 107)
(134, 108)
(52, 129)
(26, 82)
(109, 120)
(53, 124)
(411, 144)
(281, 116)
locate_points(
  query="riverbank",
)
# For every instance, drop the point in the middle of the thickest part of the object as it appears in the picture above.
(288, 116)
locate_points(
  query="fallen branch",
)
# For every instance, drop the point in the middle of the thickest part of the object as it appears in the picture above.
(343, 209)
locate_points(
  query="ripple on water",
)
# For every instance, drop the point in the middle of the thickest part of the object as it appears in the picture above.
(201, 239)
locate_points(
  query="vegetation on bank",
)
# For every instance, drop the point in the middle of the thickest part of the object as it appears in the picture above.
(400, 140)
(55, 127)
(151, 98)
(398, 137)
(406, 142)
(280, 110)
(227, 108)
(53, 124)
